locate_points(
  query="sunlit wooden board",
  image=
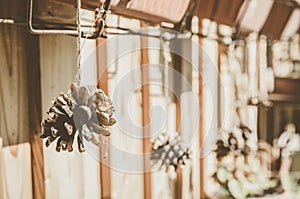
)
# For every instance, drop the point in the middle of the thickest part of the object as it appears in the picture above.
(16, 172)
(126, 179)
(67, 175)
(14, 108)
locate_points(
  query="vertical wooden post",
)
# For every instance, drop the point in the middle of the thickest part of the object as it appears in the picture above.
(177, 64)
(201, 124)
(35, 116)
(146, 116)
(105, 177)
(221, 50)
(178, 194)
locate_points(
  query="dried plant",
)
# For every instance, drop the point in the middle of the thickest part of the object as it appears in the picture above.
(78, 111)
(169, 151)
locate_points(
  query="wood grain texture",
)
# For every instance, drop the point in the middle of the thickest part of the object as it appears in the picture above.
(201, 124)
(14, 122)
(146, 117)
(16, 171)
(177, 64)
(37, 167)
(124, 72)
(67, 175)
(103, 84)
(20, 95)
(178, 182)
(35, 115)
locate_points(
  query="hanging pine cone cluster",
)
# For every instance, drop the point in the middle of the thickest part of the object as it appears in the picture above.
(78, 111)
(237, 142)
(169, 151)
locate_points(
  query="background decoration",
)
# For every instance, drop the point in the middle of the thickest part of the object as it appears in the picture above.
(168, 151)
(242, 170)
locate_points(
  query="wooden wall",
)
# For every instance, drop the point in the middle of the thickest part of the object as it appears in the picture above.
(14, 109)
(38, 69)
(20, 109)
(63, 170)
(28, 65)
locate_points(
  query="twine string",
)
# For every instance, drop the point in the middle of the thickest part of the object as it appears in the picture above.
(79, 50)
(78, 75)
(80, 45)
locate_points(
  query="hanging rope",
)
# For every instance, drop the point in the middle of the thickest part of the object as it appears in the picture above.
(78, 75)
(94, 110)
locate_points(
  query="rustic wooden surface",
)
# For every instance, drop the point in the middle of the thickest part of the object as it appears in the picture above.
(20, 95)
(35, 115)
(37, 167)
(103, 84)
(62, 170)
(124, 183)
(201, 125)
(14, 123)
(16, 171)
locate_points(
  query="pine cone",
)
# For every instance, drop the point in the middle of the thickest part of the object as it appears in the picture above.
(79, 111)
(60, 123)
(169, 151)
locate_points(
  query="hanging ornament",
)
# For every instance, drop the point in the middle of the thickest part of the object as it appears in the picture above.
(85, 111)
(78, 111)
(238, 141)
(169, 151)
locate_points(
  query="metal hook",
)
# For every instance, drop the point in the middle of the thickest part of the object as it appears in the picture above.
(100, 19)
(100, 22)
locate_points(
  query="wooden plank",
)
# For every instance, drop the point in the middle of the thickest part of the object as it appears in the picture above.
(221, 51)
(146, 117)
(105, 175)
(178, 184)
(37, 167)
(201, 123)
(16, 171)
(14, 108)
(35, 115)
(20, 95)
(67, 175)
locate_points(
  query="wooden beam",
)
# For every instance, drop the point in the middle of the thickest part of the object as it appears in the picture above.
(178, 185)
(37, 167)
(221, 50)
(13, 85)
(35, 115)
(105, 176)
(177, 65)
(201, 124)
(146, 117)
